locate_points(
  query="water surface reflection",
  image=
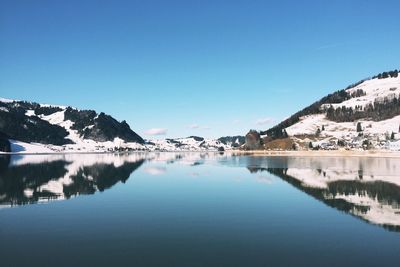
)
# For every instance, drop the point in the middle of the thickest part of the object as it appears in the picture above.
(367, 188)
(198, 209)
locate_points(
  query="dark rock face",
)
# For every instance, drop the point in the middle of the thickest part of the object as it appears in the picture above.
(101, 128)
(5, 145)
(253, 140)
(106, 128)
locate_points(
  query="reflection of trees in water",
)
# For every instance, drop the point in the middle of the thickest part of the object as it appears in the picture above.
(366, 167)
(385, 193)
(16, 181)
(99, 177)
(4, 162)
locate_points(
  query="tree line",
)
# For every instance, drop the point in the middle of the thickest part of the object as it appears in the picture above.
(377, 111)
(387, 74)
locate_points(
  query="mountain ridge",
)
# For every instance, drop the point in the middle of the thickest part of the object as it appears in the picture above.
(29, 127)
(63, 126)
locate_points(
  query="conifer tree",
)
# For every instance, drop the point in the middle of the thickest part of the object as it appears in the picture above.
(318, 132)
(359, 127)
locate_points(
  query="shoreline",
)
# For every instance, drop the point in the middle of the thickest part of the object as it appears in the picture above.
(322, 153)
(269, 153)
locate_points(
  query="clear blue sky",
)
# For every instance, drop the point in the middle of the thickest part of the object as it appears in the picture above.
(207, 68)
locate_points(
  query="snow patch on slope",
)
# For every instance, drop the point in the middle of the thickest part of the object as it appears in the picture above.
(5, 100)
(375, 89)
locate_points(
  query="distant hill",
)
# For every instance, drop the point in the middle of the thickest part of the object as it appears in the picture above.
(196, 143)
(234, 141)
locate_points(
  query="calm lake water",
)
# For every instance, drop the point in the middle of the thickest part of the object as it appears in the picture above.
(198, 209)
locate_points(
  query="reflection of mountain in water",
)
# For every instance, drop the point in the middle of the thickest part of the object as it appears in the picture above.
(99, 177)
(376, 202)
(370, 166)
(61, 177)
(37, 178)
(368, 188)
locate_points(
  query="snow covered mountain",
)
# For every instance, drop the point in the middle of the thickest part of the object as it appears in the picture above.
(34, 127)
(364, 115)
(27, 127)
